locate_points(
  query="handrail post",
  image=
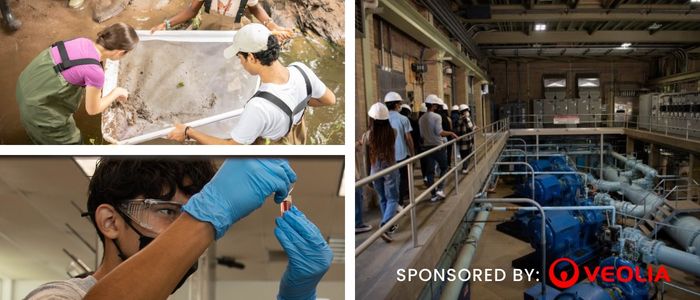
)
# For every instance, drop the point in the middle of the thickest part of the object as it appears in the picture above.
(411, 201)
(454, 147)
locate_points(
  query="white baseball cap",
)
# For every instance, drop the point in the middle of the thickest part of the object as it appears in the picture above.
(378, 111)
(423, 107)
(455, 107)
(250, 38)
(463, 107)
(406, 106)
(432, 99)
(392, 97)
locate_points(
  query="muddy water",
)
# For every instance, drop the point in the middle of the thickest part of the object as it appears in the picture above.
(47, 21)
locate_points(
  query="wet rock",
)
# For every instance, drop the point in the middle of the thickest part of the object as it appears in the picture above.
(323, 17)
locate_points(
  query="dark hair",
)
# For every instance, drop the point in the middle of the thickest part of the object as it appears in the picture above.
(406, 112)
(381, 141)
(120, 179)
(267, 57)
(118, 36)
(392, 105)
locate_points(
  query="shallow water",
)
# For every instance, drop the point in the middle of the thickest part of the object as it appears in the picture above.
(47, 21)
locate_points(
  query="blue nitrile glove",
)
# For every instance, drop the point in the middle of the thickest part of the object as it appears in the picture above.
(238, 188)
(308, 252)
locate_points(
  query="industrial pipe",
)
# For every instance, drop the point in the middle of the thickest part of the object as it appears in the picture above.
(686, 232)
(627, 208)
(656, 252)
(649, 172)
(466, 254)
(544, 230)
(604, 185)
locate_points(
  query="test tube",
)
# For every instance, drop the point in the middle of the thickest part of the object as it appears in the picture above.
(286, 204)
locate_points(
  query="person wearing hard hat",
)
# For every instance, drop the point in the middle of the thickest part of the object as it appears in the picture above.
(454, 117)
(231, 8)
(432, 133)
(466, 126)
(276, 112)
(447, 125)
(379, 141)
(403, 146)
(407, 111)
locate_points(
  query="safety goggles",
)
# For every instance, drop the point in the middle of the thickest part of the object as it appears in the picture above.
(152, 214)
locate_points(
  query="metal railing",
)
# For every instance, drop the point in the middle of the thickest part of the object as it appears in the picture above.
(492, 132)
(677, 126)
(687, 290)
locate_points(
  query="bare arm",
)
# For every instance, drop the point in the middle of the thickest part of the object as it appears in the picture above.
(184, 241)
(259, 12)
(448, 133)
(178, 134)
(182, 16)
(96, 104)
(327, 99)
(409, 142)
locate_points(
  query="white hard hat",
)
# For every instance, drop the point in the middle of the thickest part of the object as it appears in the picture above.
(432, 99)
(251, 38)
(392, 97)
(406, 106)
(423, 107)
(463, 107)
(444, 106)
(455, 107)
(378, 111)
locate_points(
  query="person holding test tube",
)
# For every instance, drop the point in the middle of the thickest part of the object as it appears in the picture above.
(143, 209)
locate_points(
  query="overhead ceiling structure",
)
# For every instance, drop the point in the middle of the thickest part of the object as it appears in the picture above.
(580, 28)
(36, 203)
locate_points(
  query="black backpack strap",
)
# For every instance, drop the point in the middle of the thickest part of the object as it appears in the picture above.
(241, 10)
(67, 63)
(306, 80)
(207, 6)
(279, 103)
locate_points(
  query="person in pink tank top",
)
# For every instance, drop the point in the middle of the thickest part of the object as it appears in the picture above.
(51, 88)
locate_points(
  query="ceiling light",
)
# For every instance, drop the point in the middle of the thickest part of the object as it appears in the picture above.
(626, 45)
(540, 27)
(694, 1)
(87, 164)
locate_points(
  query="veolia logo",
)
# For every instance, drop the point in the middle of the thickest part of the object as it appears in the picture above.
(609, 274)
(563, 280)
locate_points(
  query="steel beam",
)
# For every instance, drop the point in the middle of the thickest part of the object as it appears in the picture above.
(405, 17)
(641, 36)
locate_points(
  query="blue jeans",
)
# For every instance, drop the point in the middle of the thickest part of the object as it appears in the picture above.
(358, 207)
(439, 157)
(388, 189)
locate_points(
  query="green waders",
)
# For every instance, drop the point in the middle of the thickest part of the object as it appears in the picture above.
(47, 103)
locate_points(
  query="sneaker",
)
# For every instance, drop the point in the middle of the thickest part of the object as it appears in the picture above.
(399, 208)
(393, 229)
(434, 199)
(385, 236)
(464, 171)
(363, 228)
(441, 193)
